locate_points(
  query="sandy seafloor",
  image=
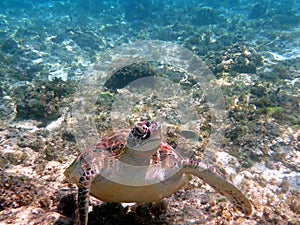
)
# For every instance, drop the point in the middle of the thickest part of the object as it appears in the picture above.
(253, 49)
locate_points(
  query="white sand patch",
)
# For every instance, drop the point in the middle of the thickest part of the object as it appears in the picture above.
(54, 125)
(63, 74)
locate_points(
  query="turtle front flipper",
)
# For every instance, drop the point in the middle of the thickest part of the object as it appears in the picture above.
(221, 185)
(84, 185)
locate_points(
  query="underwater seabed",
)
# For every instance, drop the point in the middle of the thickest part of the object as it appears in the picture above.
(252, 48)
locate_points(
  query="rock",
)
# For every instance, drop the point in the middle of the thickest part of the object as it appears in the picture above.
(9, 46)
(239, 59)
(52, 171)
(295, 205)
(32, 215)
(14, 156)
(7, 108)
(43, 100)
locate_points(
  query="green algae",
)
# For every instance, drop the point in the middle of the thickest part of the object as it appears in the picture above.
(274, 109)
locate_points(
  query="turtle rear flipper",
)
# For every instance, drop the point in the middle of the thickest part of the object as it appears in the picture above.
(222, 186)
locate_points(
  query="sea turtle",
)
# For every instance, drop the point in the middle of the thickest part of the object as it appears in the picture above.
(137, 166)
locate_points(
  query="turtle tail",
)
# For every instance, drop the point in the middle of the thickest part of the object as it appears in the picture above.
(221, 185)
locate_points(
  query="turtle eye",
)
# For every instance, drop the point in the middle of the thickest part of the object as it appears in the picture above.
(142, 132)
(138, 131)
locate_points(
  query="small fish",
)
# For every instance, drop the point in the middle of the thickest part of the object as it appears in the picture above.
(188, 134)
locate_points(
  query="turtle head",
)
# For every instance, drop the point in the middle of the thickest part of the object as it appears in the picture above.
(144, 138)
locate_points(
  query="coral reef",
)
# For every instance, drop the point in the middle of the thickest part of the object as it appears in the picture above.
(41, 100)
